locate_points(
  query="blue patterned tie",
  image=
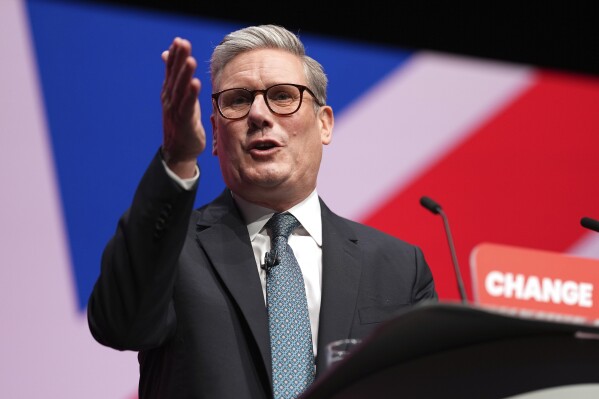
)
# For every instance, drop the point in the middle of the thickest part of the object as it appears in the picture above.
(292, 357)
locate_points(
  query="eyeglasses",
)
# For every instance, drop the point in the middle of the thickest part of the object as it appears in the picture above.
(281, 99)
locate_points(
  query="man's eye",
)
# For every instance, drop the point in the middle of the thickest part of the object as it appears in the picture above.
(280, 96)
(239, 100)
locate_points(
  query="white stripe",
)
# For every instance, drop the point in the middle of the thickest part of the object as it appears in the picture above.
(401, 127)
(587, 246)
(46, 350)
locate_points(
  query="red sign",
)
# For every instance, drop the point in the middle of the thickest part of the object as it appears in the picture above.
(536, 283)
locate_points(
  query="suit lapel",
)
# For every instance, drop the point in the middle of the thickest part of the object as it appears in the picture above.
(223, 235)
(341, 270)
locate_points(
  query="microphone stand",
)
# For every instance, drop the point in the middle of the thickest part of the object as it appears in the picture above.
(436, 209)
(454, 257)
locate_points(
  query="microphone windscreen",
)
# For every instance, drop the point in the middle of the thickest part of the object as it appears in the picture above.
(430, 204)
(590, 224)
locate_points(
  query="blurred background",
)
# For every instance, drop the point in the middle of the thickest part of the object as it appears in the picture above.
(491, 110)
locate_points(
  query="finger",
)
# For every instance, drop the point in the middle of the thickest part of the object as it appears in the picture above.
(172, 52)
(188, 101)
(183, 81)
(164, 57)
(178, 51)
(182, 50)
(168, 56)
(170, 71)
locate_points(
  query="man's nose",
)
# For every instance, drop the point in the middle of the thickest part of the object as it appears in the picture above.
(259, 105)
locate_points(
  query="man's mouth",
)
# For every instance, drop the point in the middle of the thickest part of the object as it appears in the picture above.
(264, 146)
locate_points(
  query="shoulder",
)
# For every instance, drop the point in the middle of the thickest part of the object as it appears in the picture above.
(368, 235)
(365, 236)
(389, 265)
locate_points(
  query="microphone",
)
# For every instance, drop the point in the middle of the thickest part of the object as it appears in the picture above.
(436, 209)
(589, 223)
(431, 205)
(271, 259)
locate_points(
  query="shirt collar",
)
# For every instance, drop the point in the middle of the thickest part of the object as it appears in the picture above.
(306, 212)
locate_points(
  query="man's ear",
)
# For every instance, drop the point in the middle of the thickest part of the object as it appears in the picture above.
(327, 121)
(214, 135)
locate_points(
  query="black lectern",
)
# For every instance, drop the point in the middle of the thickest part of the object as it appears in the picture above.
(447, 350)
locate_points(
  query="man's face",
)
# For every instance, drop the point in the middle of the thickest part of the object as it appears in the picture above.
(268, 159)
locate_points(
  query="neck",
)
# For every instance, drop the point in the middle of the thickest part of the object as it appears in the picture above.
(277, 204)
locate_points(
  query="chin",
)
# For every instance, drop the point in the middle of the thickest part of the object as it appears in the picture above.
(268, 181)
(268, 176)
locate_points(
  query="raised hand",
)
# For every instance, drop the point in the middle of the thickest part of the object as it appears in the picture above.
(184, 137)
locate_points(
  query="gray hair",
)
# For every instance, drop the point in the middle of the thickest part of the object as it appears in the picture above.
(273, 37)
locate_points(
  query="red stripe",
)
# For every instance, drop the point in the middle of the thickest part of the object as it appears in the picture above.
(525, 178)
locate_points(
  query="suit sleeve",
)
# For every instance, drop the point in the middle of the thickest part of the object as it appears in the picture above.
(131, 307)
(424, 286)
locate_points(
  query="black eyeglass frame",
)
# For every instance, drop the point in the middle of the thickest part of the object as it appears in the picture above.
(253, 93)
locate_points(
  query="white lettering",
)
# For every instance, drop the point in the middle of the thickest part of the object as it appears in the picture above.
(532, 289)
(551, 290)
(570, 293)
(556, 291)
(586, 295)
(493, 283)
(513, 285)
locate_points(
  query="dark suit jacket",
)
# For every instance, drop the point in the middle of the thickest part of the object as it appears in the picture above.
(181, 287)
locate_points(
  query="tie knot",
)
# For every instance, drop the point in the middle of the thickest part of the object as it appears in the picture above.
(282, 224)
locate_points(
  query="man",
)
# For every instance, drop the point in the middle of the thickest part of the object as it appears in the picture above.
(194, 291)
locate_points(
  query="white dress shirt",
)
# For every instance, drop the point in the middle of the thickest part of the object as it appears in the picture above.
(306, 242)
